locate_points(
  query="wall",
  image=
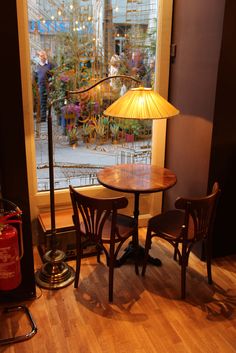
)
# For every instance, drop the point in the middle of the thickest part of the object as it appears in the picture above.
(199, 86)
(197, 31)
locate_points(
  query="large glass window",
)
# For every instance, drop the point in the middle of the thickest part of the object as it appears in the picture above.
(73, 44)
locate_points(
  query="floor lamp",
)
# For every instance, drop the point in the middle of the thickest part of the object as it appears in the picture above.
(55, 273)
(141, 104)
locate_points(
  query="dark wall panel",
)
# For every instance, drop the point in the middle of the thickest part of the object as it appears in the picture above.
(223, 156)
(14, 183)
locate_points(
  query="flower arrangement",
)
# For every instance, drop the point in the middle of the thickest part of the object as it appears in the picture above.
(66, 75)
(64, 78)
(71, 108)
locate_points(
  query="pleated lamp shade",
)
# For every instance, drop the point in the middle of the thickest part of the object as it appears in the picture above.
(141, 103)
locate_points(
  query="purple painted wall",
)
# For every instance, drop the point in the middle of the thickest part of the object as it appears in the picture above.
(197, 33)
(201, 142)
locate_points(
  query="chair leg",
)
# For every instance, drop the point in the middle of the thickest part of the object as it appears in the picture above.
(111, 272)
(98, 248)
(77, 271)
(146, 251)
(183, 281)
(136, 263)
(176, 251)
(184, 261)
(136, 254)
(208, 261)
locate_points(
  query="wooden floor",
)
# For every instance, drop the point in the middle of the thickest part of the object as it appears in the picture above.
(146, 316)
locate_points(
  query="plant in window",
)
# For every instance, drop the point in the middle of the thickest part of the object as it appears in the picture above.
(73, 134)
(87, 131)
(131, 128)
(72, 108)
(114, 128)
(100, 129)
(70, 115)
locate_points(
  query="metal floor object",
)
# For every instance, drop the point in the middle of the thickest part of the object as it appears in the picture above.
(28, 335)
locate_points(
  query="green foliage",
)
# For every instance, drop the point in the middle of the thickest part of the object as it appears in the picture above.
(114, 128)
(87, 129)
(100, 127)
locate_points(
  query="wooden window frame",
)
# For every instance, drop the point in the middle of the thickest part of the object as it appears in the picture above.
(39, 201)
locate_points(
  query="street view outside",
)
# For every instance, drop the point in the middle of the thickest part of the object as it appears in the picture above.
(79, 43)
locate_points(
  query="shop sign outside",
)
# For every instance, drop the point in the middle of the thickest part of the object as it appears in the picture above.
(53, 26)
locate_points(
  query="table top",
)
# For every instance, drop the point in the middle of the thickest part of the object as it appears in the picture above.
(136, 178)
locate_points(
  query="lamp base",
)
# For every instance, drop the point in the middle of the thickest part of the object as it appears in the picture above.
(55, 273)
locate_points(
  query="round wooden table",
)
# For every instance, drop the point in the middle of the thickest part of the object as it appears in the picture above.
(137, 179)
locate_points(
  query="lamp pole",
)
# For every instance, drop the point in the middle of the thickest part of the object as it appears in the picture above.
(55, 273)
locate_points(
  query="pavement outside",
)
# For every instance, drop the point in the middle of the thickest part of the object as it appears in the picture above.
(78, 165)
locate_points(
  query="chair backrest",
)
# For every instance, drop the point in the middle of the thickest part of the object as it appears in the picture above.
(199, 214)
(93, 213)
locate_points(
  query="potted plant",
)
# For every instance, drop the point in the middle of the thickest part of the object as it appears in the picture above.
(100, 131)
(73, 134)
(131, 128)
(71, 109)
(70, 114)
(135, 128)
(87, 132)
(114, 128)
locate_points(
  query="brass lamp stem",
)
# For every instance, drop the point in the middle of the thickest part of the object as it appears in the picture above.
(55, 273)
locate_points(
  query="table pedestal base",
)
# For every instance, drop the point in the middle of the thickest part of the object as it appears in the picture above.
(129, 255)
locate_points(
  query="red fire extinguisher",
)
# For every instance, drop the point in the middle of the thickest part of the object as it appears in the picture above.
(11, 249)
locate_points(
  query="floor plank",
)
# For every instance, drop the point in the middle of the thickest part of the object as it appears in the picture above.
(146, 316)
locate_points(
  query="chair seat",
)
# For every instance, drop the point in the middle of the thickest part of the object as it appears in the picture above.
(124, 226)
(169, 224)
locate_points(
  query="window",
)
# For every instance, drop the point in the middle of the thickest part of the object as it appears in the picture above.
(73, 45)
(121, 29)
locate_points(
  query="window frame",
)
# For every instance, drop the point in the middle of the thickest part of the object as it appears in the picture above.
(39, 201)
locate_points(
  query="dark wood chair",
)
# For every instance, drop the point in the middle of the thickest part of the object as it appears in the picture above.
(190, 222)
(97, 222)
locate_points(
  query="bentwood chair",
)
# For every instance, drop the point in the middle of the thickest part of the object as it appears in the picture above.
(190, 222)
(97, 222)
